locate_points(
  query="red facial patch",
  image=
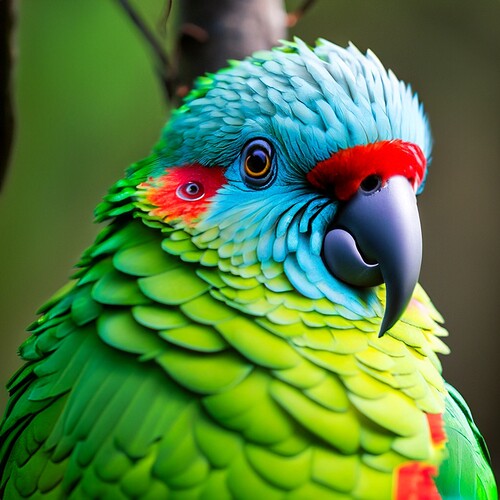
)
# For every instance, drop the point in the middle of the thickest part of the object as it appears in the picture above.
(414, 481)
(436, 427)
(342, 173)
(183, 193)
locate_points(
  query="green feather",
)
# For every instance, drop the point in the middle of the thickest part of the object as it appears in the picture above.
(158, 317)
(143, 260)
(118, 289)
(190, 369)
(466, 473)
(340, 429)
(120, 330)
(197, 337)
(173, 287)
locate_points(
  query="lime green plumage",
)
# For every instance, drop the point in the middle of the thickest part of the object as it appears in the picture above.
(204, 356)
(153, 375)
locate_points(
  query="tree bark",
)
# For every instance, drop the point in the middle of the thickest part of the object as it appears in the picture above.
(213, 31)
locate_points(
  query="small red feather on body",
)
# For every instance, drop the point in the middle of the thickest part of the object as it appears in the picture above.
(414, 481)
(436, 427)
(342, 173)
(184, 192)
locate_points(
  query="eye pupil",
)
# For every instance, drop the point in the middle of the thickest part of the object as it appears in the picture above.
(257, 162)
(257, 166)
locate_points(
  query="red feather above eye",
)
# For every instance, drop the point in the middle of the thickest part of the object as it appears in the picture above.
(342, 173)
(184, 192)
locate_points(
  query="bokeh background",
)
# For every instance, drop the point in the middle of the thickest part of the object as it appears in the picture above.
(88, 104)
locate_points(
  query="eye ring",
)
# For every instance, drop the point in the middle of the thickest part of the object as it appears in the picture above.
(257, 165)
(190, 191)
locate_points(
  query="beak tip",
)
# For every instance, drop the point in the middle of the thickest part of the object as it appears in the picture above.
(384, 327)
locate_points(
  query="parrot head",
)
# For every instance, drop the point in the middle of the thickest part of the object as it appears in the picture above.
(301, 163)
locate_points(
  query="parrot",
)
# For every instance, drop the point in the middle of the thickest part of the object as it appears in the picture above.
(248, 323)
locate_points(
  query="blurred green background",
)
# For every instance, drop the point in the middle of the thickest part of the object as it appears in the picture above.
(88, 104)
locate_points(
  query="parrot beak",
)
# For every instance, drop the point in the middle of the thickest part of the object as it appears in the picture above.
(376, 238)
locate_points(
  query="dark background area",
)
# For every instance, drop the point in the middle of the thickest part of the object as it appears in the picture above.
(88, 104)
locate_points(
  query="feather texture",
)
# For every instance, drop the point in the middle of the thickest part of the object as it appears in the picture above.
(206, 351)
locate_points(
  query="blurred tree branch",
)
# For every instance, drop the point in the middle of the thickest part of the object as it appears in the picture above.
(164, 68)
(208, 33)
(295, 16)
(6, 112)
(211, 32)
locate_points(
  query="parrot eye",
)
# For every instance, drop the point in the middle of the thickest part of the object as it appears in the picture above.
(371, 184)
(191, 191)
(257, 167)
